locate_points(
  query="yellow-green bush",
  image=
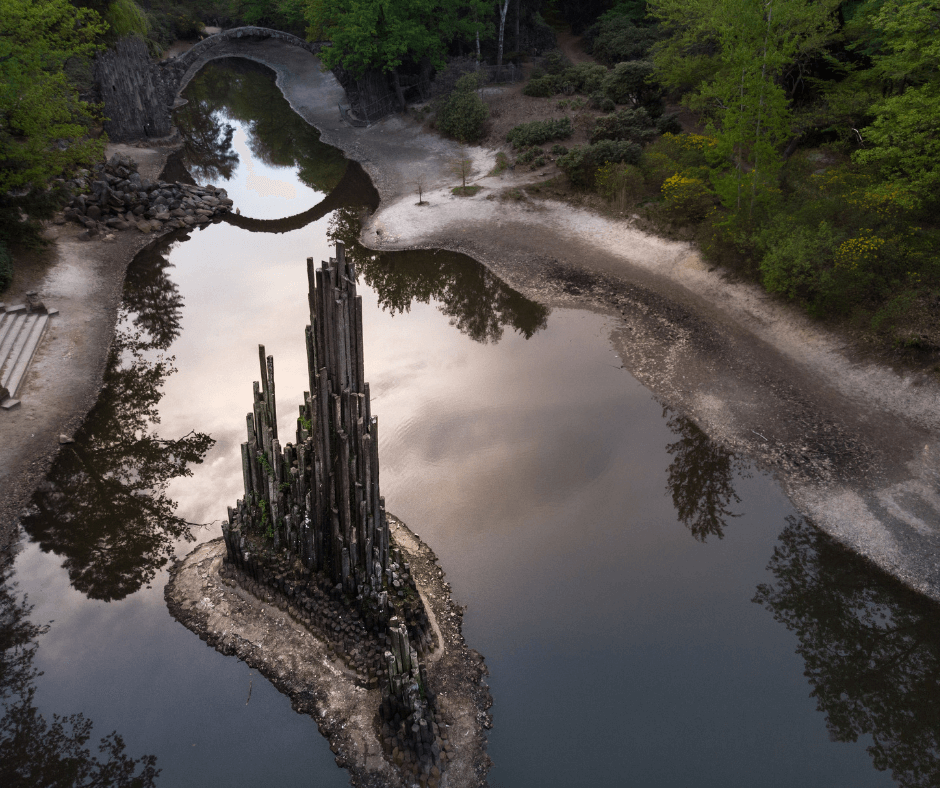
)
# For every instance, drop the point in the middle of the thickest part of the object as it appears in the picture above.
(686, 198)
(674, 153)
(861, 251)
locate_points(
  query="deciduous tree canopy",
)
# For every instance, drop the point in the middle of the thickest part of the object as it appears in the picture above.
(43, 124)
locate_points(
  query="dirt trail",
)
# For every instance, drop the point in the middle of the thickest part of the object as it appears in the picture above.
(573, 47)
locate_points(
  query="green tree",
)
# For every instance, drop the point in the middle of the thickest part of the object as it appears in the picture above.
(43, 124)
(903, 139)
(383, 34)
(732, 54)
(463, 114)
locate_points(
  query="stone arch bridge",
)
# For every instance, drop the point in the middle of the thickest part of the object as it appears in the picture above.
(139, 94)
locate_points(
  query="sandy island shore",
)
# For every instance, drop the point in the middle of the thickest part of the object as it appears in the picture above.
(269, 640)
(853, 442)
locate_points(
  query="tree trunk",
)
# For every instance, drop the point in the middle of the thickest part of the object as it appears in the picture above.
(502, 33)
(518, 11)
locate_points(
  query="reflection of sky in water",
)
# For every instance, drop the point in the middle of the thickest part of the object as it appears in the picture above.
(263, 191)
(536, 469)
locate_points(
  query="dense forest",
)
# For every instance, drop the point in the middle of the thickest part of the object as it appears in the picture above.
(797, 142)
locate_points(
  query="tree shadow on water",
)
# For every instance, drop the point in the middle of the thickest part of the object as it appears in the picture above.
(103, 505)
(236, 89)
(701, 478)
(871, 649)
(478, 303)
(35, 751)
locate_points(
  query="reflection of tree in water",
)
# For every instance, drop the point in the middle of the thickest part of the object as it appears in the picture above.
(103, 505)
(34, 751)
(238, 89)
(152, 298)
(207, 139)
(871, 647)
(701, 478)
(477, 302)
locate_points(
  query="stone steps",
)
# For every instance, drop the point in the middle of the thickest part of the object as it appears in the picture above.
(21, 331)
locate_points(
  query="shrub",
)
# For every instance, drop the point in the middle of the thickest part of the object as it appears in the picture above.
(628, 83)
(543, 87)
(463, 114)
(601, 102)
(686, 198)
(539, 132)
(529, 156)
(669, 124)
(125, 18)
(502, 163)
(795, 256)
(672, 153)
(627, 124)
(584, 78)
(581, 164)
(555, 62)
(559, 150)
(617, 39)
(6, 267)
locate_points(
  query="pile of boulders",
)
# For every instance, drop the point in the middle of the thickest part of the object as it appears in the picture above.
(113, 196)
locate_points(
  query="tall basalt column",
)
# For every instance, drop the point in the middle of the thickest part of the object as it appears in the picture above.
(319, 498)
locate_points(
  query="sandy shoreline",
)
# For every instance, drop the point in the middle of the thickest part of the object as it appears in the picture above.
(854, 443)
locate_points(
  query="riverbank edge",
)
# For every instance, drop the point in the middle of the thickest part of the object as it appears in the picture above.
(263, 635)
(85, 281)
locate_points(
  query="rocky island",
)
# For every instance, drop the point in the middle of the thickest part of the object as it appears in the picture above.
(320, 589)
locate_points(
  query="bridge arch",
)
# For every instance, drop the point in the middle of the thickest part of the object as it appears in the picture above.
(139, 95)
(178, 71)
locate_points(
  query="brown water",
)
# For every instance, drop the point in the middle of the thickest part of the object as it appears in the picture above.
(651, 609)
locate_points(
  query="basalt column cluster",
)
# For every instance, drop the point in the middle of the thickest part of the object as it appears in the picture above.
(311, 534)
(319, 498)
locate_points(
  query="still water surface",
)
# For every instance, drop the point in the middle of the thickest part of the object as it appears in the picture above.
(652, 610)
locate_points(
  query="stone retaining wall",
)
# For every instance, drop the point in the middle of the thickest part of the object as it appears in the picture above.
(137, 99)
